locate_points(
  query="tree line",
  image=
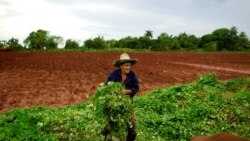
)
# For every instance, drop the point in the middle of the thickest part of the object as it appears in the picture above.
(222, 39)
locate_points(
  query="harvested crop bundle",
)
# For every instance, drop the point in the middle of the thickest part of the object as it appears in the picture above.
(114, 107)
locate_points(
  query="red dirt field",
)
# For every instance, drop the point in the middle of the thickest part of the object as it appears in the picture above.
(57, 79)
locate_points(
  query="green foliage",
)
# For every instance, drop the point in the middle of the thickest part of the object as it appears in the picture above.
(89, 43)
(225, 39)
(207, 80)
(210, 46)
(37, 40)
(237, 84)
(164, 42)
(111, 43)
(128, 42)
(114, 107)
(205, 106)
(41, 40)
(222, 36)
(243, 43)
(70, 44)
(144, 43)
(188, 42)
(3, 43)
(96, 43)
(149, 34)
(222, 39)
(13, 45)
(21, 125)
(53, 42)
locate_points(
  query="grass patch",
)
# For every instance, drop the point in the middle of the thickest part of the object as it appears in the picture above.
(205, 106)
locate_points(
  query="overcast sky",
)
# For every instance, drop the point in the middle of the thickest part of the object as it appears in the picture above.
(83, 19)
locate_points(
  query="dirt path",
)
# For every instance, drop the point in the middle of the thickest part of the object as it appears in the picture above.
(247, 72)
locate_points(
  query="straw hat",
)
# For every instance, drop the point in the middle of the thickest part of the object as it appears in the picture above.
(124, 58)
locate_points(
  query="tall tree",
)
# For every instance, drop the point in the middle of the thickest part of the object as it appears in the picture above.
(164, 42)
(3, 43)
(13, 44)
(37, 40)
(128, 42)
(233, 35)
(149, 34)
(188, 42)
(53, 42)
(40, 40)
(71, 44)
(243, 41)
(222, 37)
(99, 43)
(144, 42)
(111, 43)
(229, 39)
(96, 43)
(89, 43)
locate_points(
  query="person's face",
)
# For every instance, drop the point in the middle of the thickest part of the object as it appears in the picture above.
(126, 67)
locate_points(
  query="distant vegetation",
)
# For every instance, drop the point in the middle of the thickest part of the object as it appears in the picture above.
(222, 39)
(203, 107)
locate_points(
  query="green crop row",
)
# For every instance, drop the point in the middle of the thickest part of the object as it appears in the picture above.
(205, 106)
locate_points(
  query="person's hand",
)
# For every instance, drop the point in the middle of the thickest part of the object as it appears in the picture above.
(126, 91)
(101, 84)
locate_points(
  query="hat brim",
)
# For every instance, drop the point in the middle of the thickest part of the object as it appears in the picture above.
(118, 62)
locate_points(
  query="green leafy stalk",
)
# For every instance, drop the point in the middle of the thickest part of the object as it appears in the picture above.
(114, 107)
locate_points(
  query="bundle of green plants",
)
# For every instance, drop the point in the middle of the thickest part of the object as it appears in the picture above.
(114, 107)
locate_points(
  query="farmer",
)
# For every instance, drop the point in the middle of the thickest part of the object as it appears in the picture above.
(124, 75)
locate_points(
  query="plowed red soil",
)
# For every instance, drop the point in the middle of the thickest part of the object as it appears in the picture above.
(56, 79)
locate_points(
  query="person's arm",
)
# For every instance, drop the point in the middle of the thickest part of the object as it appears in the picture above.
(111, 77)
(133, 87)
(126, 91)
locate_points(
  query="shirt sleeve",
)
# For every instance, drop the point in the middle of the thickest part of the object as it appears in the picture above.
(111, 77)
(134, 86)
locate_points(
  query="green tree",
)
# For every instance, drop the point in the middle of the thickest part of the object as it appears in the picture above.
(230, 39)
(89, 43)
(40, 40)
(71, 44)
(233, 39)
(128, 42)
(144, 42)
(222, 37)
(111, 43)
(99, 43)
(53, 42)
(175, 45)
(149, 34)
(13, 45)
(96, 43)
(3, 44)
(163, 43)
(37, 40)
(205, 39)
(243, 41)
(210, 46)
(188, 42)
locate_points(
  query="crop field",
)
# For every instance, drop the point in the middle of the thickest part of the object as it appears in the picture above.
(64, 78)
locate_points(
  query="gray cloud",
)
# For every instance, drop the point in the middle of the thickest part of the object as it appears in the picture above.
(120, 18)
(194, 16)
(5, 2)
(7, 11)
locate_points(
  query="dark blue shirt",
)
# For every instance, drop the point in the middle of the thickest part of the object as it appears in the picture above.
(131, 81)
